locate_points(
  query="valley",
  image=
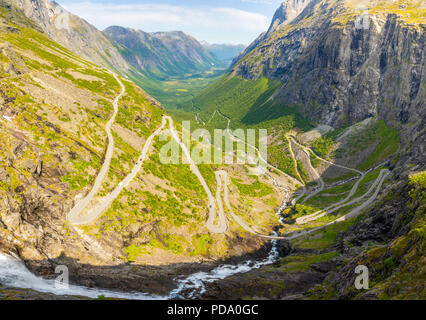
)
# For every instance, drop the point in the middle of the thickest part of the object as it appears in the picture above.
(83, 184)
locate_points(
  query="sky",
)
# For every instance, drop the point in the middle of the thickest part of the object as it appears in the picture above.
(215, 21)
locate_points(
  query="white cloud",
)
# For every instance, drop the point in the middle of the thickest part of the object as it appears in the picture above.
(211, 24)
(243, 19)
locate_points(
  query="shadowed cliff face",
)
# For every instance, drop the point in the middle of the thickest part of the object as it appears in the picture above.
(340, 73)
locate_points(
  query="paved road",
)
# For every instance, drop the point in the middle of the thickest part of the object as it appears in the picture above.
(316, 174)
(354, 213)
(341, 204)
(334, 206)
(74, 214)
(317, 215)
(106, 202)
(295, 235)
(329, 162)
(297, 171)
(292, 179)
(223, 175)
(76, 217)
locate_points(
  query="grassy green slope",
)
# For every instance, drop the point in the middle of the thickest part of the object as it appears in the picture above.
(174, 91)
(52, 129)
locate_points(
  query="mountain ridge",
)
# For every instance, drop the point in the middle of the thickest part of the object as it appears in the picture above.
(77, 34)
(172, 52)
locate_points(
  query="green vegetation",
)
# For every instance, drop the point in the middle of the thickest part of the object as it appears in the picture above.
(321, 201)
(279, 156)
(326, 237)
(387, 144)
(78, 179)
(344, 188)
(377, 139)
(255, 189)
(303, 173)
(93, 86)
(322, 146)
(316, 162)
(175, 91)
(246, 102)
(202, 244)
(302, 210)
(300, 263)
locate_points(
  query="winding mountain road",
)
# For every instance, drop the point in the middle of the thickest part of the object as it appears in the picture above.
(223, 225)
(334, 207)
(94, 214)
(353, 213)
(223, 175)
(297, 171)
(76, 216)
(315, 172)
(341, 204)
(292, 179)
(295, 235)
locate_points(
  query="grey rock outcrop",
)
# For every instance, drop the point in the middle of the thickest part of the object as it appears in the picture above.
(340, 74)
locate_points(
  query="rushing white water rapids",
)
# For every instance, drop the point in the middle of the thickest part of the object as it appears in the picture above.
(13, 273)
(195, 284)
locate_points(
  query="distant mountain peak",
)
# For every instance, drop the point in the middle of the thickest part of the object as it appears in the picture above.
(287, 12)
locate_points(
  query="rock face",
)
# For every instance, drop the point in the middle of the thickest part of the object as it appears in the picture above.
(339, 72)
(72, 32)
(172, 53)
(288, 11)
(398, 266)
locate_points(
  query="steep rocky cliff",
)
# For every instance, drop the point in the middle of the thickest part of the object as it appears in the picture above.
(340, 71)
(287, 12)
